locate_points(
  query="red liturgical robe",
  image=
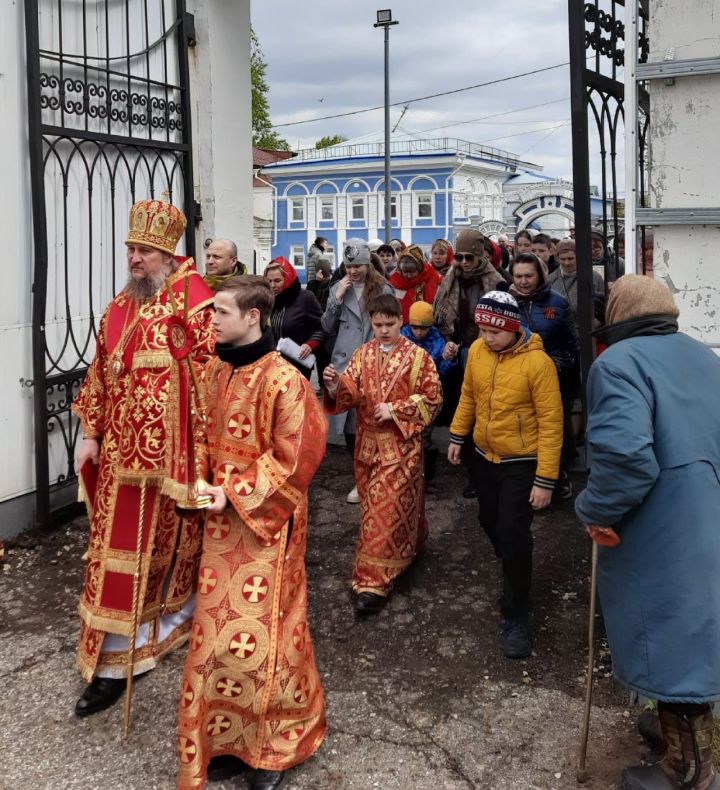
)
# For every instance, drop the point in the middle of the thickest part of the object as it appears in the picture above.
(388, 456)
(129, 402)
(250, 686)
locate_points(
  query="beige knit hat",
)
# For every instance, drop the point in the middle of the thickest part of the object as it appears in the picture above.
(635, 296)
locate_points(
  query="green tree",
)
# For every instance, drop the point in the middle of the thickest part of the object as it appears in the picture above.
(328, 140)
(263, 135)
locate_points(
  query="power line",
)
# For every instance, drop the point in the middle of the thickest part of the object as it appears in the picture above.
(549, 134)
(520, 134)
(496, 115)
(424, 98)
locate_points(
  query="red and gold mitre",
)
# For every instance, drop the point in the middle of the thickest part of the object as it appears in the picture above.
(157, 224)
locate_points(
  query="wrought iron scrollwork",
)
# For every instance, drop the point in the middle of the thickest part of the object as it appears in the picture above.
(607, 34)
(109, 124)
(96, 100)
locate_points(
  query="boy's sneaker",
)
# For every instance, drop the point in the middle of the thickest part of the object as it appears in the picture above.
(469, 492)
(516, 639)
(565, 488)
(353, 497)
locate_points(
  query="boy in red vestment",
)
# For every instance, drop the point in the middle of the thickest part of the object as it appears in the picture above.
(395, 386)
(251, 695)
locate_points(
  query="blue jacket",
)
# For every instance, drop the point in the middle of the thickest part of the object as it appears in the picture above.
(653, 435)
(549, 314)
(433, 343)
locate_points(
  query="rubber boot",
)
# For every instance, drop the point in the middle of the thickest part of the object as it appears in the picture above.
(648, 725)
(687, 764)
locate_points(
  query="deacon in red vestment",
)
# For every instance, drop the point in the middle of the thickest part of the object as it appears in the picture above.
(394, 385)
(251, 692)
(137, 437)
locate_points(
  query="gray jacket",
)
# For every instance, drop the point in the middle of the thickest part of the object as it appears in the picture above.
(351, 327)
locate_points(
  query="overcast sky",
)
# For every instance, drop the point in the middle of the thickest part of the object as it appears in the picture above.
(325, 57)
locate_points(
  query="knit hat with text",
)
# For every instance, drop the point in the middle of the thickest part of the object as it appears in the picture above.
(498, 310)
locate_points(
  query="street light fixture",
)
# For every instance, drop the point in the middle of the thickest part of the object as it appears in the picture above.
(384, 20)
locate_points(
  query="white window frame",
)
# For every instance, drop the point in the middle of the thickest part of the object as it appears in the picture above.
(358, 200)
(299, 203)
(327, 200)
(297, 250)
(460, 204)
(428, 199)
(393, 207)
(329, 252)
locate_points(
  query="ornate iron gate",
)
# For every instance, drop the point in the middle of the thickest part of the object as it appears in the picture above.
(109, 122)
(597, 57)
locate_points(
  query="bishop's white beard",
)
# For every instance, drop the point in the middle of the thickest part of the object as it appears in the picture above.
(144, 289)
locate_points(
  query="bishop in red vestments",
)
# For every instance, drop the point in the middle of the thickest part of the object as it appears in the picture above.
(137, 441)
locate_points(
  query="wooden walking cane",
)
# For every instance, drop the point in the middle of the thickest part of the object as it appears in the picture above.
(582, 774)
(135, 609)
(604, 536)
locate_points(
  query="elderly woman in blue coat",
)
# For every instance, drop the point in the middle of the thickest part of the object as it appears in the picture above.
(654, 450)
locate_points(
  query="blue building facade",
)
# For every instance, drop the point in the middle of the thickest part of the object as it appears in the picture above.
(339, 193)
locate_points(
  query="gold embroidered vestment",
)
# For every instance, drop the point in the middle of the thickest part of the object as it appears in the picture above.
(251, 687)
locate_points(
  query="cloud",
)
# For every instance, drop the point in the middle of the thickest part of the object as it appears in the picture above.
(324, 57)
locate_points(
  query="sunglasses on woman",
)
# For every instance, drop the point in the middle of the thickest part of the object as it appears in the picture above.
(468, 257)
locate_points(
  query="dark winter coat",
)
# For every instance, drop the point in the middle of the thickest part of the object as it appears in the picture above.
(548, 313)
(654, 449)
(296, 314)
(321, 289)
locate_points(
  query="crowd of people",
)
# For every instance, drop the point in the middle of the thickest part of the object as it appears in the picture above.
(200, 388)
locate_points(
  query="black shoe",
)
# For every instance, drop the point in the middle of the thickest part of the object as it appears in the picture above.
(268, 780)
(469, 492)
(431, 457)
(369, 603)
(99, 695)
(225, 766)
(516, 639)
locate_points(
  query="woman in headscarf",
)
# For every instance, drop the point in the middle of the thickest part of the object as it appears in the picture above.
(467, 281)
(548, 313)
(654, 447)
(441, 256)
(414, 281)
(296, 312)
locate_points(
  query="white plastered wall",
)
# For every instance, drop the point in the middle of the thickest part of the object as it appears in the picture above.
(16, 418)
(220, 84)
(685, 171)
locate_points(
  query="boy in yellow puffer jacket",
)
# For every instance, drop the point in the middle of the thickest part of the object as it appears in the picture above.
(511, 395)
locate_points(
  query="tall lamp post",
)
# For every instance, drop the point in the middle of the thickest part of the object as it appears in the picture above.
(384, 20)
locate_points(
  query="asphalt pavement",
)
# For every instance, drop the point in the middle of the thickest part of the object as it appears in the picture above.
(419, 697)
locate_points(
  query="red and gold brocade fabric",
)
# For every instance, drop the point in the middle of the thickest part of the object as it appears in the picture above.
(388, 456)
(129, 402)
(251, 687)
